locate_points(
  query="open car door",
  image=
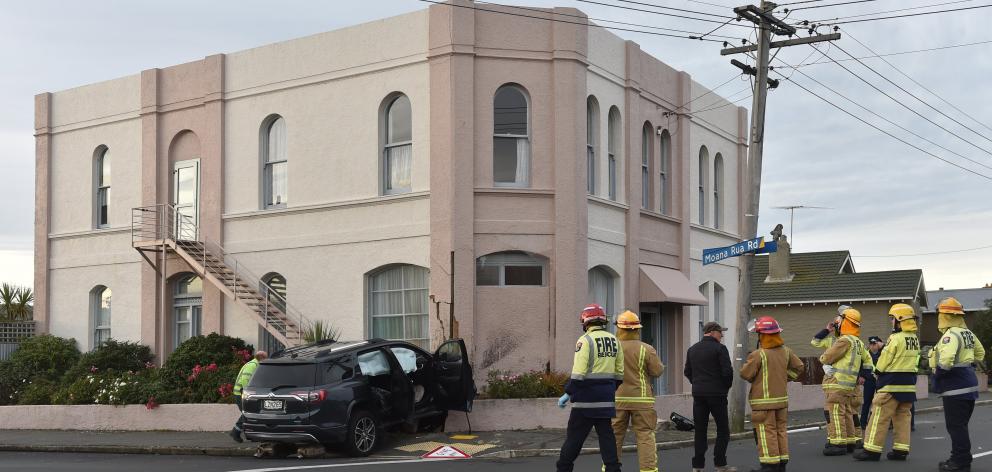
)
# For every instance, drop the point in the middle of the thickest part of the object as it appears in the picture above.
(456, 387)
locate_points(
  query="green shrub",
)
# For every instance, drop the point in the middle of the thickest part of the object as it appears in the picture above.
(112, 355)
(203, 350)
(44, 357)
(534, 384)
(36, 392)
(210, 384)
(109, 388)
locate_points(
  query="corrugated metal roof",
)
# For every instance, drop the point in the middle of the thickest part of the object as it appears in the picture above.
(973, 299)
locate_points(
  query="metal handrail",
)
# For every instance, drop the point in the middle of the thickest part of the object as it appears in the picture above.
(148, 221)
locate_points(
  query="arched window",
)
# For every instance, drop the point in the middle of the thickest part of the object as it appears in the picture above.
(592, 141)
(613, 148)
(275, 165)
(602, 289)
(511, 138)
(100, 298)
(663, 172)
(717, 188)
(101, 177)
(398, 304)
(704, 157)
(397, 150)
(718, 301)
(187, 306)
(510, 268)
(646, 139)
(273, 288)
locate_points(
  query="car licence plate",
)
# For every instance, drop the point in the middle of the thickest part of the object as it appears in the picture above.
(272, 404)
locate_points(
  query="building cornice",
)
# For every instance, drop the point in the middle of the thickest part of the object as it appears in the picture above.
(381, 200)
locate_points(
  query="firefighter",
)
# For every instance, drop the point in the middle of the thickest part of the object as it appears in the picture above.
(824, 339)
(635, 398)
(953, 360)
(597, 371)
(769, 370)
(842, 364)
(896, 372)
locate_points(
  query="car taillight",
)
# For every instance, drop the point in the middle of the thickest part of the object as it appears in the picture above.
(313, 396)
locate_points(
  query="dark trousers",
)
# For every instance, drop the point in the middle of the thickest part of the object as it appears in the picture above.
(957, 413)
(578, 430)
(241, 418)
(702, 409)
(866, 406)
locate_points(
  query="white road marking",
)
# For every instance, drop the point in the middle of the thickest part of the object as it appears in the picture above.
(935, 437)
(803, 430)
(331, 466)
(976, 456)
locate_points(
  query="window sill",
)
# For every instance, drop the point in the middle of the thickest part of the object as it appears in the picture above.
(91, 232)
(660, 216)
(718, 232)
(514, 190)
(379, 200)
(607, 202)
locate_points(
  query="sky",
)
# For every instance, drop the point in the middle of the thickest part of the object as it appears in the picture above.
(888, 202)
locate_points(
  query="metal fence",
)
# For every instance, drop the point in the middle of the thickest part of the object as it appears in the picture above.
(11, 335)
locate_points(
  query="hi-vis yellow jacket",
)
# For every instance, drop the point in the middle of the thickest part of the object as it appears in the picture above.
(641, 364)
(898, 365)
(769, 371)
(597, 371)
(953, 361)
(845, 357)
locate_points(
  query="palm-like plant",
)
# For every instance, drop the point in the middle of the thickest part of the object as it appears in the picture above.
(15, 302)
(319, 331)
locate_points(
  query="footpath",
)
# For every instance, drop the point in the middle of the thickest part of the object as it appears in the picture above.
(499, 444)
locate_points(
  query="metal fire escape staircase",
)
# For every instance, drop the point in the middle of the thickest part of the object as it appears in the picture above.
(161, 228)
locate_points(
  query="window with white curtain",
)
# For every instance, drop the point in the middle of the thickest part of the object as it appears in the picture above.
(397, 152)
(663, 172)
(613, 150)
(704, 158)
(275, 165)
(100, 299)
(510, 268)
(187, 307)
(718, 301)
(398, 304)
(511, 138)
(101, 171)
(602, 290)
(717, 188)
(646, 139)
(592, 139)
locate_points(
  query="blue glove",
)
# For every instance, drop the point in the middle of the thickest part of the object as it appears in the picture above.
(564, 400)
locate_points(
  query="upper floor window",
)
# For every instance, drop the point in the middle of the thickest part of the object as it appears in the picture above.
(592, 135)
(397, 152)
(704, 158)
(646, 139)
(275, 165)
(613, 150)
(398, 304)
(664, 171)
(511, 138)
(101, 174)
(509, 268)
(717, 188)
(602, 289)
(718, 296)
(100, 308)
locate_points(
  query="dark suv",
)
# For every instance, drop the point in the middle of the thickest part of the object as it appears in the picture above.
(349, 392)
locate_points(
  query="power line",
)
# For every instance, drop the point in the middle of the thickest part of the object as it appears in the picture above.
(889, 11)
(653, 5)
(797, 3)
(848, 33)
(911, 14)
(831, 5)
(714, 89)
(903, 104)
(952, 46)
(725, 104)
(931, 253)
(911, 94)
(455, 5)
(654, 12)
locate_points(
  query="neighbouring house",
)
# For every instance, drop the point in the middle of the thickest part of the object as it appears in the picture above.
(803, 290)
(974, 300)
(450, 164)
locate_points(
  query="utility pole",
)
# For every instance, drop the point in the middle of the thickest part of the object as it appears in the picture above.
(768, 24)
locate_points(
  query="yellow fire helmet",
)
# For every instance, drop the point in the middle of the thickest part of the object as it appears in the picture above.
(905, 315)
(852, 315)
(628, 320)
(950, 305)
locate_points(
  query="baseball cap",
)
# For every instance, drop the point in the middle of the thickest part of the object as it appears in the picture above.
(712, 326)
(874, 339)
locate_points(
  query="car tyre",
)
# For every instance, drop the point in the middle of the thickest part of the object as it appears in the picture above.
(363, 434)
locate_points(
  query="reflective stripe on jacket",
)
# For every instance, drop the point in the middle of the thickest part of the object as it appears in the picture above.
(244, 376)
(597, 370)
(769, 371)
(641, 365)
(898, 365)
(952, 360)
(845, 357)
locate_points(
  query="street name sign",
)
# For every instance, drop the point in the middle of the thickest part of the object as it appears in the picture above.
(756, 245)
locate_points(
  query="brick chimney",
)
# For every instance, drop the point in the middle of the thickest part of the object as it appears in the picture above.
(778, 263)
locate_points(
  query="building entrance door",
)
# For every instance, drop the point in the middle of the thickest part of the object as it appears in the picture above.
(653, 333)
(186, 198)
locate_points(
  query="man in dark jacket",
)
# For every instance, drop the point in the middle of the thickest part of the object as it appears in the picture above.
(875, 345)
(708, 368)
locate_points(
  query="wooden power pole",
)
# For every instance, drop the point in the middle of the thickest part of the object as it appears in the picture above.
(768, 25)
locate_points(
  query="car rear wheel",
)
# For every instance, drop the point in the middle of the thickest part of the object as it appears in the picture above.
(363, 434)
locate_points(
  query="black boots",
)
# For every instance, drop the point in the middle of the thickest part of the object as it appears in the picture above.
(834, 450)
(897, 455)
(235, 434)
(767, 468)
(868, 456)
(948, 466)
(850, 448)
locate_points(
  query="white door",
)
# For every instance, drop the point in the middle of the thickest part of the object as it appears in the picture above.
(186, 198)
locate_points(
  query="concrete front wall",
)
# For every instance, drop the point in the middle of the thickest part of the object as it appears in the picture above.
(800, 323)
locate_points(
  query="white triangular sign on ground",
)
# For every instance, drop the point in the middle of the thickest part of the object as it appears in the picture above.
(446, 452)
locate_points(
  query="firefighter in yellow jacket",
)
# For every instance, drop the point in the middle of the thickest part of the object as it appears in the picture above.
(842, 364)
(896, 371)
(769, 370)
(823, 340)
(635, 397)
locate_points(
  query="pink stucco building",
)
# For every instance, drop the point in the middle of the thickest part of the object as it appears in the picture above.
(451, 163)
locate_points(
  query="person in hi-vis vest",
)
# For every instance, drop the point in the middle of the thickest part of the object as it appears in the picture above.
(635, 397)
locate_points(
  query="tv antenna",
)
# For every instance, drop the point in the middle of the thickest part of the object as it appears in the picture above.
(792, 215)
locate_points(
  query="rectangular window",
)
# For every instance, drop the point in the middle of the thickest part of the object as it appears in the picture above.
(645, 175)
(399, 161)
(511, 161)
(509, 269)
(103, 205)
(590, 169)
(187, 323)
(613, 177)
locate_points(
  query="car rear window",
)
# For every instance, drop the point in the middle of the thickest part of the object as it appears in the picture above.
(285, 375)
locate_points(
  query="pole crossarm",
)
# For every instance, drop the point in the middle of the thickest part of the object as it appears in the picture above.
(783, 43)
(758, 16)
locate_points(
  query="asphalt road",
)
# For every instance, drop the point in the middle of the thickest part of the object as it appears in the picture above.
(929, 445)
